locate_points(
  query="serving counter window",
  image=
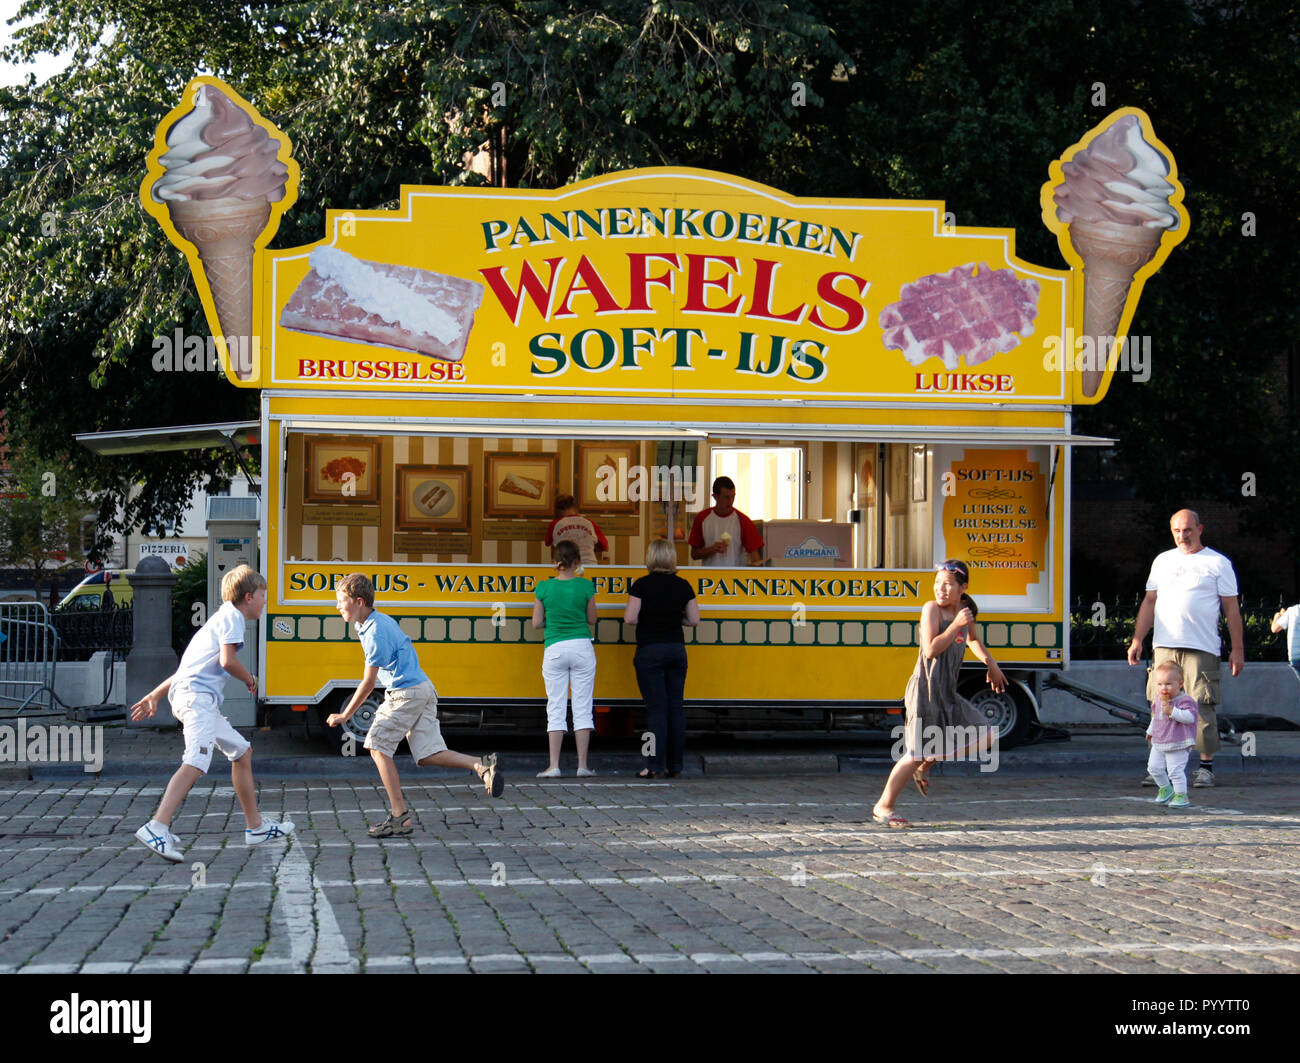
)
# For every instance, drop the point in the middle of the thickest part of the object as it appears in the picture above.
(401, 497)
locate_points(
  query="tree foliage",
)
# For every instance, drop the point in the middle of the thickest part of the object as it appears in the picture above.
(41, 511)
(963, 100)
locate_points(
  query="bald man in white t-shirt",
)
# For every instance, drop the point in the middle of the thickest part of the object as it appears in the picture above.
(1185, 591)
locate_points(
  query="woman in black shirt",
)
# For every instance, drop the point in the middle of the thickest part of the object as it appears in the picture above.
(659, 604)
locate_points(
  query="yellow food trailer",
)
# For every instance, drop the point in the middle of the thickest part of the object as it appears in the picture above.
(886, 389)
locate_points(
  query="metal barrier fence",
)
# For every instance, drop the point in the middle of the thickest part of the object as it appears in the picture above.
(83, 634)
(29, 651)
(1100, 628)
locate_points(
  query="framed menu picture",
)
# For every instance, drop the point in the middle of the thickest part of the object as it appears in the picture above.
(433, 498)
(519, 484)
(341, 469)
(588, 462)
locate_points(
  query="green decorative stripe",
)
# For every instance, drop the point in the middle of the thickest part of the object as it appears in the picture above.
(737, 631)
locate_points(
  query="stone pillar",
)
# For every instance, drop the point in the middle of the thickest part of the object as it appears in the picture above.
(152, 658)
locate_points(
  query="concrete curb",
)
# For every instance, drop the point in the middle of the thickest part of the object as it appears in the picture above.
(771, 764)
(623, 768)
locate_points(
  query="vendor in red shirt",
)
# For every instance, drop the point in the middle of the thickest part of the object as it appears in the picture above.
(730, 534)
(569, 525)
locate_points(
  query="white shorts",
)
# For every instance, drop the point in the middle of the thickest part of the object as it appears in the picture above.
(205, 728)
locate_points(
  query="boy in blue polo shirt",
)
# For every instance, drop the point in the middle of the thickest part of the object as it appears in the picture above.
(410, 708)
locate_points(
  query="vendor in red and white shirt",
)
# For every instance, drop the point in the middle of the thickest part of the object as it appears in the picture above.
(730, 535)
(569, 525)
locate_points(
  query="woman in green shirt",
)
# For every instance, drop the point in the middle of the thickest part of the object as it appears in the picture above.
(566, 609)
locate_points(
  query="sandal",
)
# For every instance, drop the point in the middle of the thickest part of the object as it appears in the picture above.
(894, 821)
(493, 778)
(399, 823)
(922, 782)
(646, 773)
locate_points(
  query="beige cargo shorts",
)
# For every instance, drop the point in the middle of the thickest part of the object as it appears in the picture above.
(410, 713)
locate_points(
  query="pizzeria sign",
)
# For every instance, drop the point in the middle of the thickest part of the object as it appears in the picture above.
(660, 282)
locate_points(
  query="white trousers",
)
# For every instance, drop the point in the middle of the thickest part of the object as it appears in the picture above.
(564, 664)
(1167, 768)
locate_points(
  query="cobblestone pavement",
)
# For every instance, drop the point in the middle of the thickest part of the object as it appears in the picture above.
(1074, 874)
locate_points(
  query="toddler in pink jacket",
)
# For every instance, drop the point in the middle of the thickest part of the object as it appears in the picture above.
(1172, 733)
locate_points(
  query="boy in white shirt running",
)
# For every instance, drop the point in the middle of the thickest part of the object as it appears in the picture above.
(196, 691)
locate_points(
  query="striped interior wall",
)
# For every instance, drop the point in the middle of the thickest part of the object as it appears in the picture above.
(319, 542)
(908, 538)
(831, 487)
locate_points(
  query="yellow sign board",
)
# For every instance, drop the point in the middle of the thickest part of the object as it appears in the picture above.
(658, 283)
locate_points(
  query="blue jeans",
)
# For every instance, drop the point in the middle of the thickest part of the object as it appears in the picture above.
(661, 675)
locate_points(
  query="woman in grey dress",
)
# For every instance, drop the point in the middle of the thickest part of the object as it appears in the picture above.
(940, 724)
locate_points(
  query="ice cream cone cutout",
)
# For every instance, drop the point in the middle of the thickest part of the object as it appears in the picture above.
(220, 178)
(1116, 205)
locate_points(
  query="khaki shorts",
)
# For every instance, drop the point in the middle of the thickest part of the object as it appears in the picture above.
(410, 713)
(1201, 681)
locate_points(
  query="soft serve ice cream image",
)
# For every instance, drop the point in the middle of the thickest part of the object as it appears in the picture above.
(1117, 198)
(222, 172)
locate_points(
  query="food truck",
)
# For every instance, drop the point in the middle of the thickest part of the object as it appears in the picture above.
(886, 388)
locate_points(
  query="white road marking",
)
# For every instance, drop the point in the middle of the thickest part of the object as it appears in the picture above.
(304, 910)
(298, 913)
(620, 959)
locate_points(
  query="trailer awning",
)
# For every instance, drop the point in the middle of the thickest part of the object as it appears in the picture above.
(181, 437)
(540, 428)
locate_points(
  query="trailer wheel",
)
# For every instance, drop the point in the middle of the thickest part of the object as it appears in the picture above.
(355, 728)
(1011, 712)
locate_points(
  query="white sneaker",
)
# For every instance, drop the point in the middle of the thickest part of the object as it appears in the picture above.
(1203, 777)
(585, 773)
(549, 773)
(1150, 780)
(268, 831)
(159, 839)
